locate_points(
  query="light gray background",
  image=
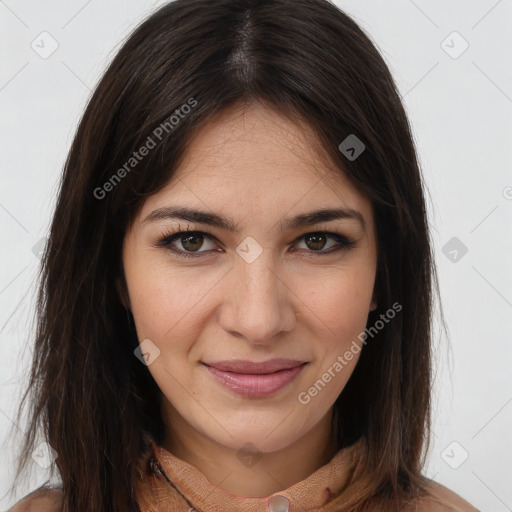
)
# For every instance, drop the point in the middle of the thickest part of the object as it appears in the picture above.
(460, 109)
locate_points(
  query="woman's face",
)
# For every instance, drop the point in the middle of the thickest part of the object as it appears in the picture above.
(253, 283)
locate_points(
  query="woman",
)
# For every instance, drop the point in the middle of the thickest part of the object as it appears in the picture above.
(237, 290)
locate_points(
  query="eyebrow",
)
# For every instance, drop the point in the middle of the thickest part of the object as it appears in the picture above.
(213, 219)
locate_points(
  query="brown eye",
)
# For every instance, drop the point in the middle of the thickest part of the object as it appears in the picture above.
(187, 243)
(315, 241)
(321, 242)
(192, 242)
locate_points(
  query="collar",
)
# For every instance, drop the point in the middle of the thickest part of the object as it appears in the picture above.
(174, 482)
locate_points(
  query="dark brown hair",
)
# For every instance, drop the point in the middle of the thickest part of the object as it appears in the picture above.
(96, 402)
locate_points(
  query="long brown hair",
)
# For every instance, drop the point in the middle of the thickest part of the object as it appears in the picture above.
(97, 404)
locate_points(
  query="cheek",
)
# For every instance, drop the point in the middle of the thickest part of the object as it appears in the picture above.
(338, 312)
(167, 303)
(339, 302)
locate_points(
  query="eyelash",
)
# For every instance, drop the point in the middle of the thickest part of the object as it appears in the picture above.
(167, 239)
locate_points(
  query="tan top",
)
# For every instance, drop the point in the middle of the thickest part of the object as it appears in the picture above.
(172, 485)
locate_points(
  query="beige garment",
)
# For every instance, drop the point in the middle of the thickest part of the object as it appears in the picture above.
(173, 485)
(169, 484)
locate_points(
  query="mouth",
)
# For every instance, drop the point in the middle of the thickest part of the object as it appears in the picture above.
(255, 379)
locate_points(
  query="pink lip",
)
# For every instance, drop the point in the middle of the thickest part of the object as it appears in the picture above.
(255, 380)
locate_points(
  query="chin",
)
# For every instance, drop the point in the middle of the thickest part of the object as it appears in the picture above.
(266, 438)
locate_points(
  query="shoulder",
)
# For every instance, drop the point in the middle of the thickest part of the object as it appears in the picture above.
(45, 499)
(441, 499)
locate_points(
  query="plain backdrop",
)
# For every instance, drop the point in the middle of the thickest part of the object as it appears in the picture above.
(452, 64)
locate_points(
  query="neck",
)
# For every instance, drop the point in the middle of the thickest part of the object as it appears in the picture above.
(258, 475)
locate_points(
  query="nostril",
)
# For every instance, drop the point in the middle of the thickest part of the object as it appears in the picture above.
(327, 494)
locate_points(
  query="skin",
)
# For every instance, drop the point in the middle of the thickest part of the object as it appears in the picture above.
(255, 167)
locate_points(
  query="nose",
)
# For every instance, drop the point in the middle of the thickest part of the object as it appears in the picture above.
(258, 303)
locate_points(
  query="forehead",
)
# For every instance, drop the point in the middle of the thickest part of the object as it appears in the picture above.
(254, 137)
(253, 158)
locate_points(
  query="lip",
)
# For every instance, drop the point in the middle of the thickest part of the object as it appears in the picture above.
(254, 367)
(255, 380)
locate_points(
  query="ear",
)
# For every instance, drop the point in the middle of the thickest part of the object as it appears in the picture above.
(122, 292)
